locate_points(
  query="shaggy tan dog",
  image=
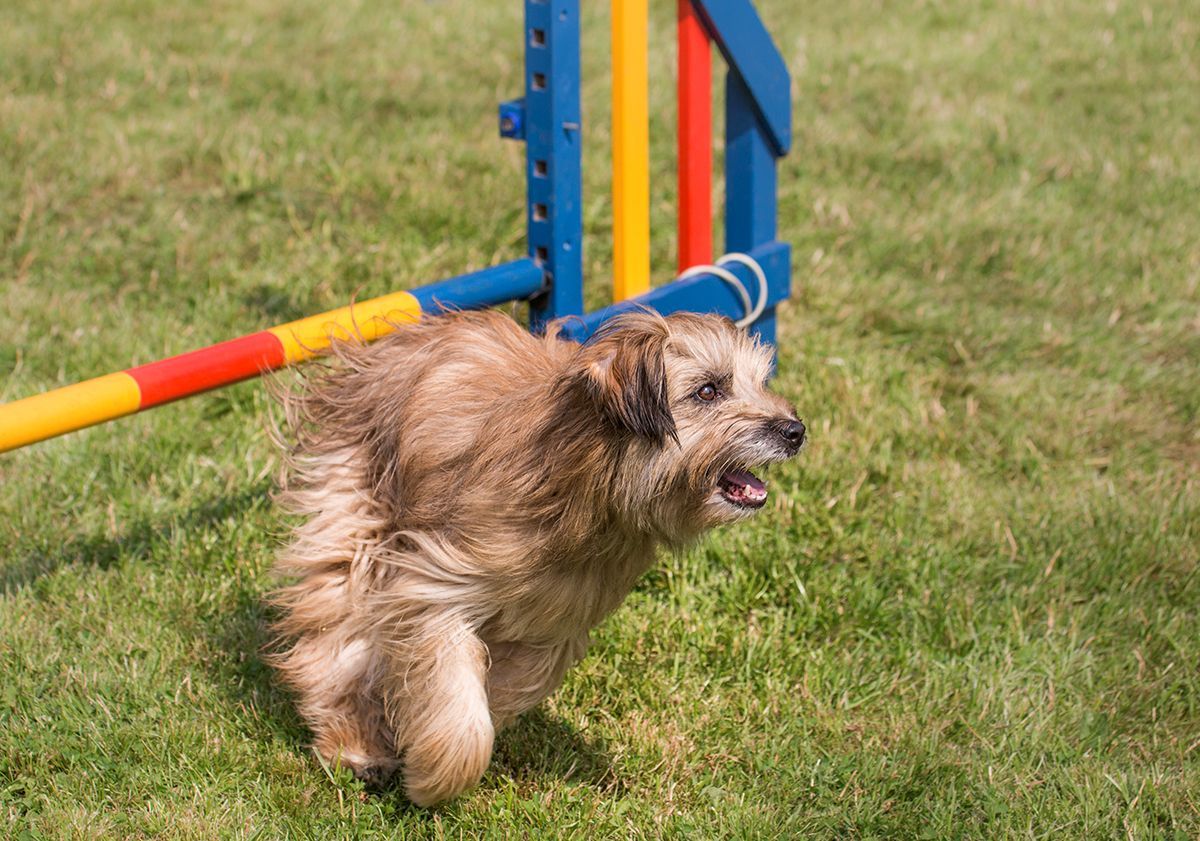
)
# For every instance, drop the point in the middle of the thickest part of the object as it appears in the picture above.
(478, 498)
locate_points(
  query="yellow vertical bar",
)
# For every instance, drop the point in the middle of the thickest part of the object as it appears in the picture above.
(631, 148)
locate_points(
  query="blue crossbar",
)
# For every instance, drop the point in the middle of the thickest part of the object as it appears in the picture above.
(704, 293)
(515, 281)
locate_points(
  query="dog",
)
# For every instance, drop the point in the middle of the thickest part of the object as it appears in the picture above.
(477, 498)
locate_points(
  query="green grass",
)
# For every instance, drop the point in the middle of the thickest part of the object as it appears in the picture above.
(971, 610)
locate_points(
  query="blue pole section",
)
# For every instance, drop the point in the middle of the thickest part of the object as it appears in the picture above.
(750, 182)
(703, 293)
(507, 282)
(553, 156)
(748, 49)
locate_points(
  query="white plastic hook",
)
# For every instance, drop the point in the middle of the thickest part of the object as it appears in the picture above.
(751, 311)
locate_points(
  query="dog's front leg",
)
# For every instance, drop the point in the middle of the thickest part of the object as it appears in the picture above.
(441, 716)
(522, 674)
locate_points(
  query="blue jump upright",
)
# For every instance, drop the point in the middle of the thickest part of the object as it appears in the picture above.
(757, 133)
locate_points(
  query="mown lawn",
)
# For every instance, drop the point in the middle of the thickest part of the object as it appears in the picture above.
(972, 610)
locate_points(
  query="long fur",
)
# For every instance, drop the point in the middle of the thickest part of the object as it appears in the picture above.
(477, 498)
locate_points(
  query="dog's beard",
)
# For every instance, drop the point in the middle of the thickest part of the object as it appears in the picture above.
(738, 485)
(702, 483)
(739, 490)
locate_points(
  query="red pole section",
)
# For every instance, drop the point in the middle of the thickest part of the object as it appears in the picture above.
(212, 367)
(695, 140)
(112, 396)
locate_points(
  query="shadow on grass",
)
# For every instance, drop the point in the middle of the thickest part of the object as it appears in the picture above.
(239, 635)
(275, 304)
(136, 540)
(542, 745)
(535, 752)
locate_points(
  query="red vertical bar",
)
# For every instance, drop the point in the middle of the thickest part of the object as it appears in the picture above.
(695, 140)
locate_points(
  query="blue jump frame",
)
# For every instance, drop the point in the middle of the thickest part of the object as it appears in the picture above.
(550, 278)
(758, 130)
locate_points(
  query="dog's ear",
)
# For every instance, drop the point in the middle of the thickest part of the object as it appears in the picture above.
(624, 373)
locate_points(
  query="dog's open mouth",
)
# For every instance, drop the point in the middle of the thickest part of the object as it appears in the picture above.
(742, 488)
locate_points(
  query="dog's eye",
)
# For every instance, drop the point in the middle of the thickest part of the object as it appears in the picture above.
(707, 393)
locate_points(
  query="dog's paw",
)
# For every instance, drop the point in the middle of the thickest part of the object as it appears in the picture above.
(375, 775)
(372, 771)
(442, 766)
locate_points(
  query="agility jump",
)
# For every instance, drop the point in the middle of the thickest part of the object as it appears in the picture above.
(746, 287)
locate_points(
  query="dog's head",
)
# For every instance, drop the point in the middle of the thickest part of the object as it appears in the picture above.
(689, 395)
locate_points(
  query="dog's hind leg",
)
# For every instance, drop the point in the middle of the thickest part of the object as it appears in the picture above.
(335, 680)
(521, 674)
(445, 729)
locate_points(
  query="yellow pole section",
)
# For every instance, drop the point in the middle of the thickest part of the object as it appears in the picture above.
(631, 148)
(67, 409)
(112, 396)
(305, 338)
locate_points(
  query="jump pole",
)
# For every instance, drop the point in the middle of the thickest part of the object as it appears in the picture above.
(112, 396)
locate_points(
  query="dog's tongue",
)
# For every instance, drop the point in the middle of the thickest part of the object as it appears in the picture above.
(747, 480)
(744, 488)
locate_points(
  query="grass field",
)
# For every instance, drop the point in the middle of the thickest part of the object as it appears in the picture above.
(972, 610)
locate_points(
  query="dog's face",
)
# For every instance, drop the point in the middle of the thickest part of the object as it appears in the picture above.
(691, 394)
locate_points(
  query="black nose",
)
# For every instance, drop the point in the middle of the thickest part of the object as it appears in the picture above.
(793, 433)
